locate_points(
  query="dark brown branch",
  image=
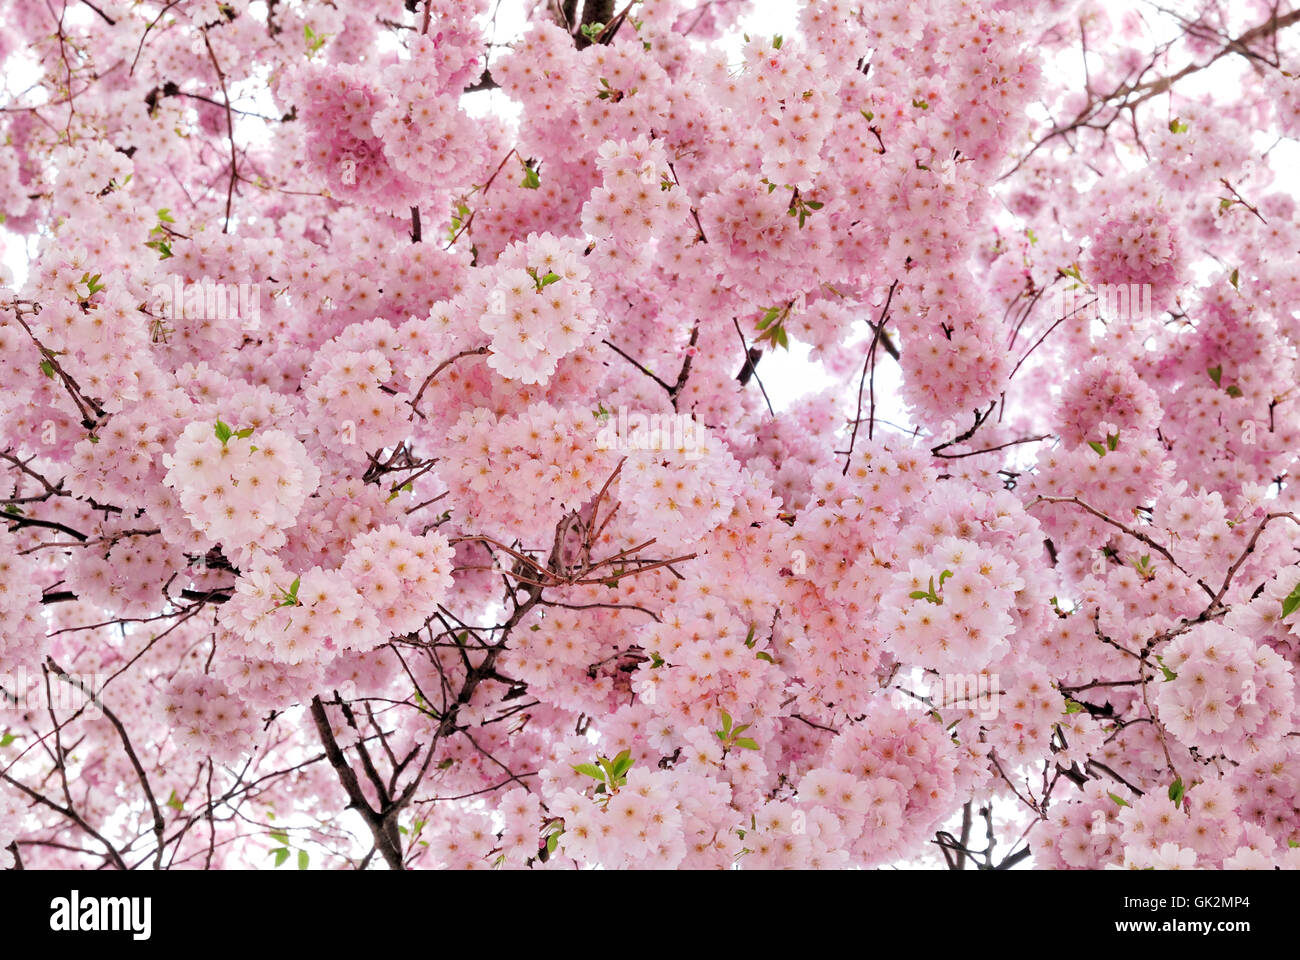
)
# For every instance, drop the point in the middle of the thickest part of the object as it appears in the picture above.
(877, 330)
(158, 825)
(356, 797)
(750, 362)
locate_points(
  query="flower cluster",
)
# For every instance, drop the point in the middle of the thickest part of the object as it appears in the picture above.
(887, 781)
(1139, 246)
(22, 634)
(522, 473)
(348, 409)
(1105, 391)
(679, 494)
(539, 308)
(401, 576)
(945, 340)
(794, 112)
(293, 619)
(206, 717)
(1227, 695)
(638, 826)
(130, 575)
(240, 489)
(951, 610)
(338, 106)
(1204, 832)
(426, 135)
(637, 201)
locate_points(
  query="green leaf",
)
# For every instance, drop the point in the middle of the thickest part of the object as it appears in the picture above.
(608, 768)
(749, 637)
(303, 859)
(549, 279)
(777, 41)
(590, 770)
(291, 595)
(1120, 800)
(174, 801)
(281, 855)
(1112, 442)
(764, 655)
(7, 739)
(747, 743)
(921, 103)
(223, 431)
(1291, 603)
(1101, 450)
(552, 841)
(531, 180)
(1073, 706)
(244, 434)
(1233, 280)
(919, 595)
(1169, 674)
(314, 40)
(279, 836)
(726, 725)
(1216, 374)
(622, 763)
(47, 368)
(92, 283)
(1176, 791)
(1177, 126)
